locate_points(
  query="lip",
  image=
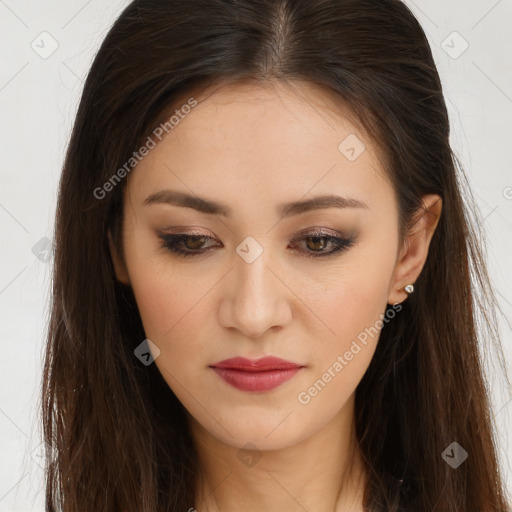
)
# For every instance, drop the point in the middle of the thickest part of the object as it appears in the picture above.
(256, 365)
(256, 375)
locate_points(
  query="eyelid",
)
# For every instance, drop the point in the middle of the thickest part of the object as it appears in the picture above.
(183, 230)
(310, 231)
(319, 231)
(171, 242)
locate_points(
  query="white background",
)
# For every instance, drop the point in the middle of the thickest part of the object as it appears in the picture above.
(38, 100)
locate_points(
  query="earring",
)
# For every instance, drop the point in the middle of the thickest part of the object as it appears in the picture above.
(409, 288)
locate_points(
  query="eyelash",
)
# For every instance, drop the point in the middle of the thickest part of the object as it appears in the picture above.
(172, 243)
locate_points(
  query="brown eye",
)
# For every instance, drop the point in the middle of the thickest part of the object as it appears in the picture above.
(196, 242)
(186, 245)
(317, 242)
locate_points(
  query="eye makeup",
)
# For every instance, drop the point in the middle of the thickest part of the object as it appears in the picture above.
(318, 243)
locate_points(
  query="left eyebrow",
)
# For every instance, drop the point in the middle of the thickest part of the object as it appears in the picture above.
(209, 206)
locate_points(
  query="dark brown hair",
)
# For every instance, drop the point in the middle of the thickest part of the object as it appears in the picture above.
(116, 435)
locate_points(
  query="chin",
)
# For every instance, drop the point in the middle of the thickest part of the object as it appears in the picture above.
(261, 433)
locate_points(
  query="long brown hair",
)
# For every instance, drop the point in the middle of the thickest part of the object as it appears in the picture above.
(116, 435)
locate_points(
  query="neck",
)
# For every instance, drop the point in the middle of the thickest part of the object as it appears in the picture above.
(323, 472)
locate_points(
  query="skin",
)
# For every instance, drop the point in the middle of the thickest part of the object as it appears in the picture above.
(253, 147)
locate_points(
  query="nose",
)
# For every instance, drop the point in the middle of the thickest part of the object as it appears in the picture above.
(255, 297)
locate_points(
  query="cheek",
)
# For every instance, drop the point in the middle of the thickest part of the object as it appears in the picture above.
(352, 308)
(173, 308)
(168, 305)
(341, 357)
(355, 299)
(164, 295)
(169, 316)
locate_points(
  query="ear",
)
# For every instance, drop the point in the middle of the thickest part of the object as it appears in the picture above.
(413, 254)
(119, 265)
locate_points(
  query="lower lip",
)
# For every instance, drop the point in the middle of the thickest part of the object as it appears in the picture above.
(255, 381)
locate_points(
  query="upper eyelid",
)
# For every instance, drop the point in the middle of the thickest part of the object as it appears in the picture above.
(340, 241)
(308, 233)
(322, 231)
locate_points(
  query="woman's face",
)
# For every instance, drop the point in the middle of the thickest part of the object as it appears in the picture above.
(261, 282)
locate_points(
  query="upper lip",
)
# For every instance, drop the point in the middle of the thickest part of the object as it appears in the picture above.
(257, 365)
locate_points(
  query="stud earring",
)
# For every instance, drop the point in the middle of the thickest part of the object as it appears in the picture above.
(409, 288)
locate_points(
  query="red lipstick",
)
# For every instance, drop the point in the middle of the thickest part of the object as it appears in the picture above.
(256, 375)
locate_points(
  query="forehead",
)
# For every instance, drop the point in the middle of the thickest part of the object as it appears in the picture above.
(262, 138)
(275, 102)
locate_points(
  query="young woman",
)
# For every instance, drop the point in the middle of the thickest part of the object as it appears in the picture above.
(265, 271)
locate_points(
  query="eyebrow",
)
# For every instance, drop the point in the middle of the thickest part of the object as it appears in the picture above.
(209, 206)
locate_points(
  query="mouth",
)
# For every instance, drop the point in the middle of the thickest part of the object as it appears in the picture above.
(257, 375)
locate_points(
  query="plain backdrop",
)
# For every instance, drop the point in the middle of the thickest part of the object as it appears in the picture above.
(46, 49)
